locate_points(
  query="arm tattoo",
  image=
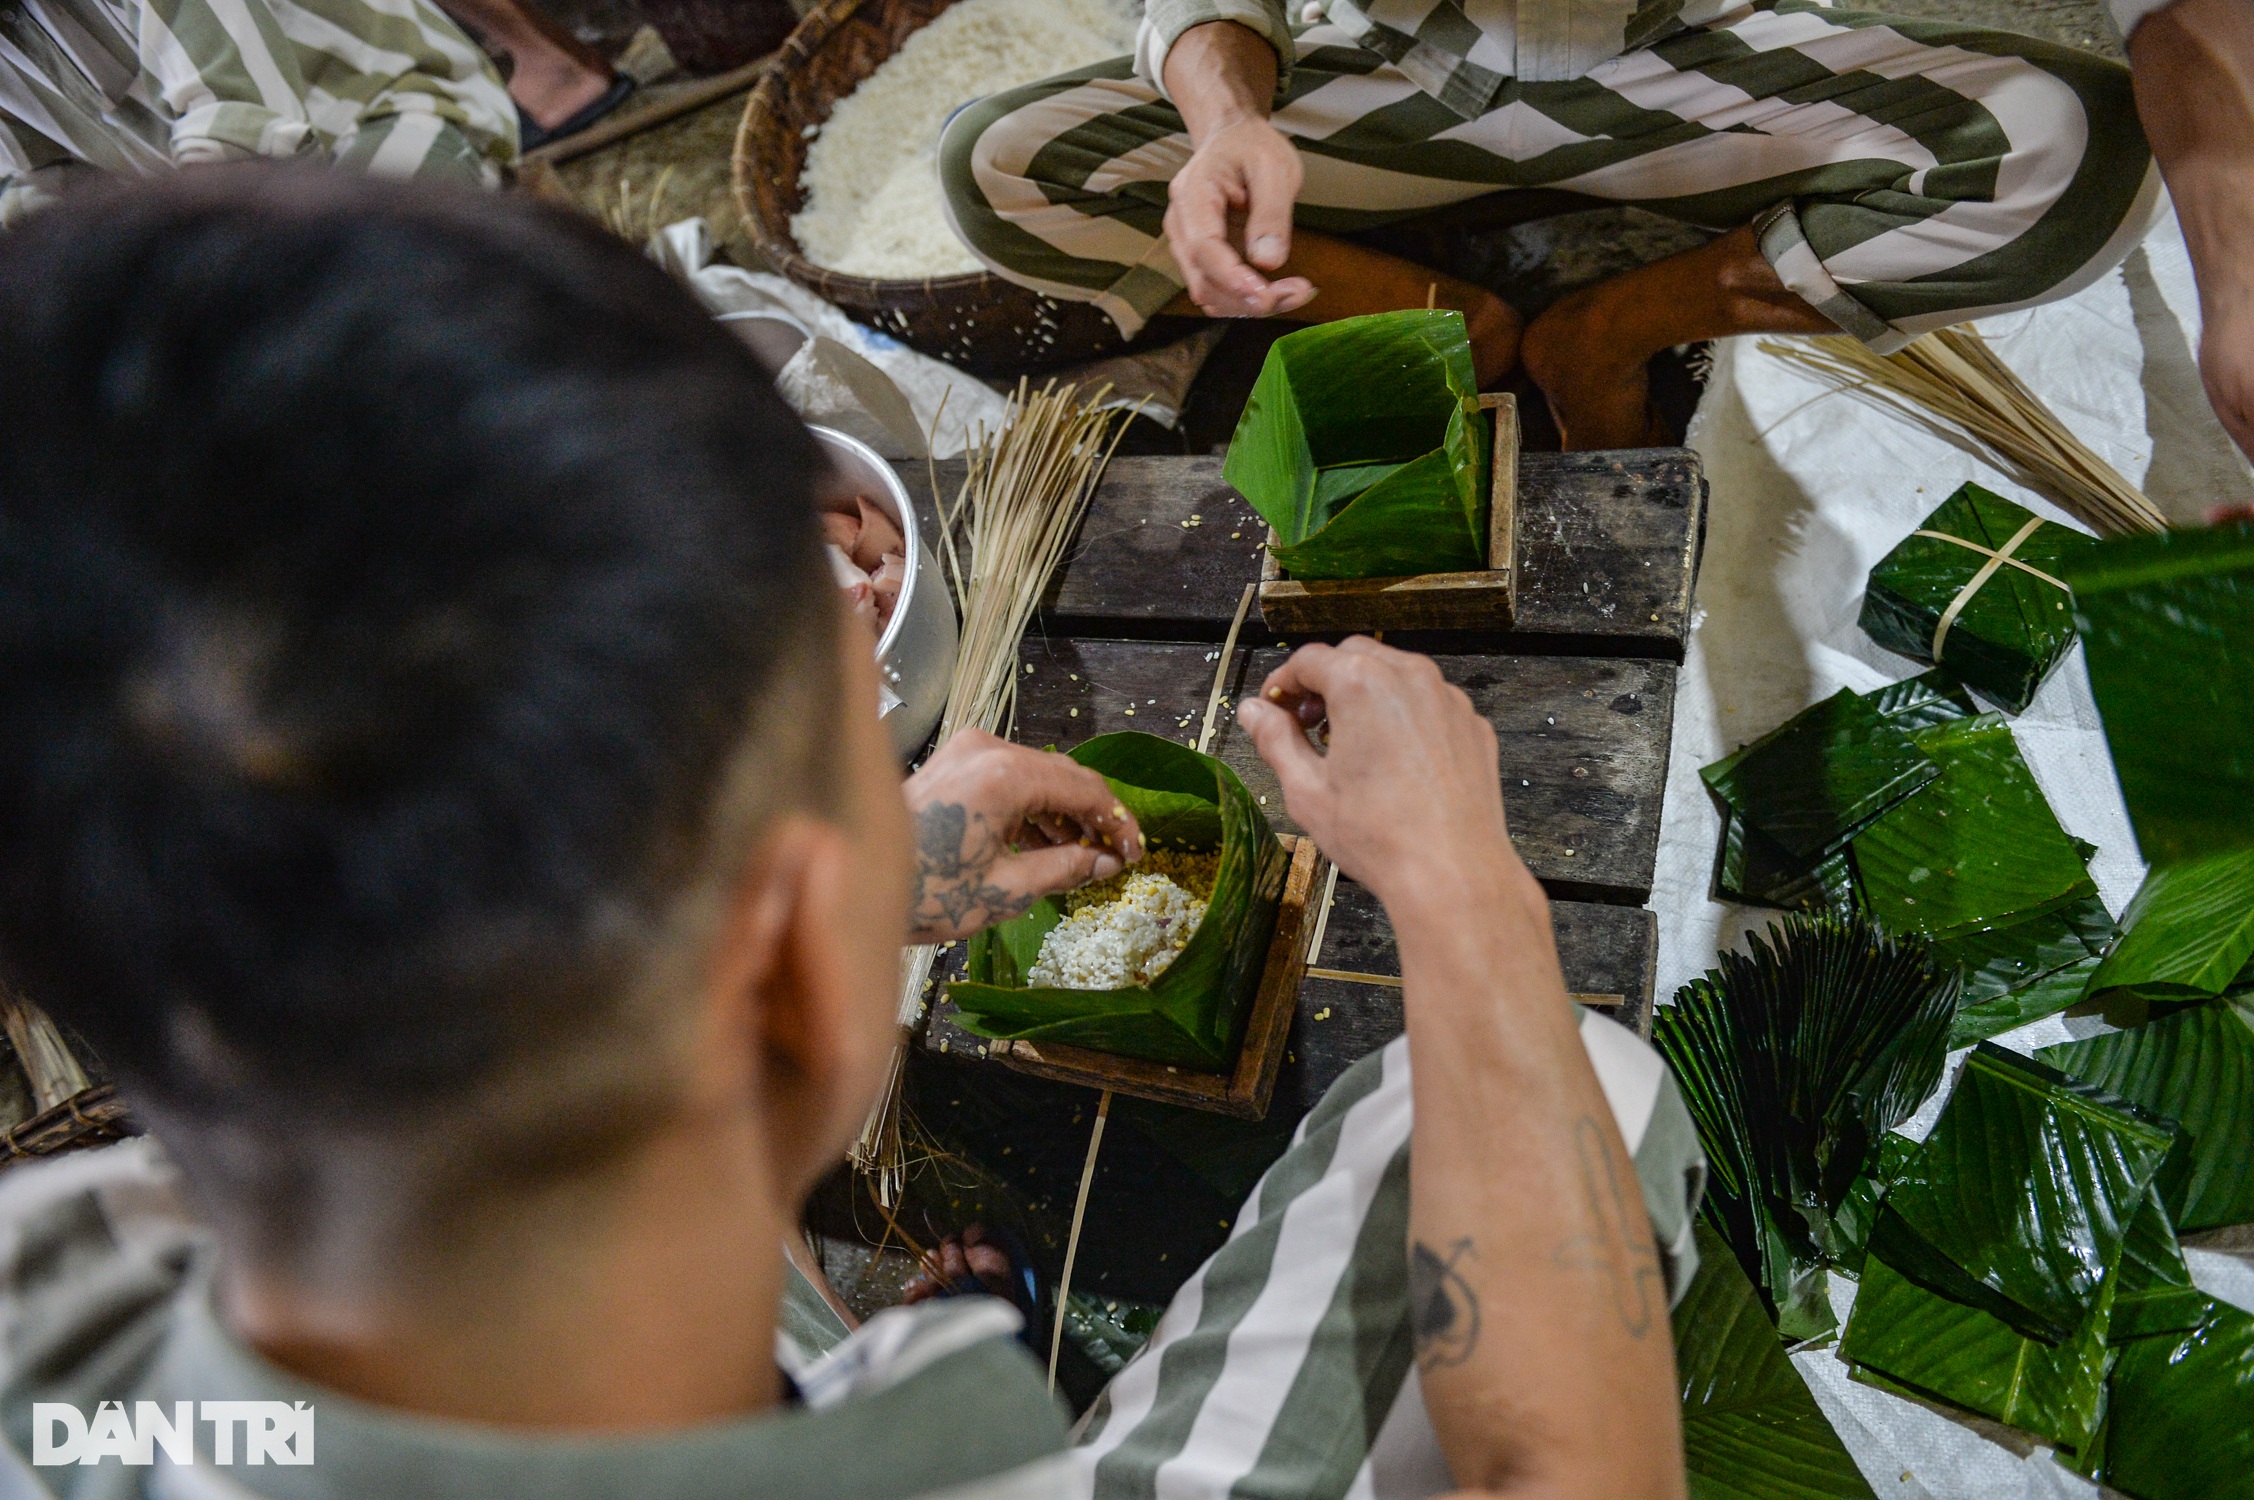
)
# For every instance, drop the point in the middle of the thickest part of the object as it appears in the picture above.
(1443, 1309)
(1630, 1261)
(955, 849)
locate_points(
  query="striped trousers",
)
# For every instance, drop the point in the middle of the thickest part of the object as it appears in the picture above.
(1902, 175)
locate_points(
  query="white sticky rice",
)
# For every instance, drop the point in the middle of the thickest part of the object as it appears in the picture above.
(1127, 930)
(872, 179)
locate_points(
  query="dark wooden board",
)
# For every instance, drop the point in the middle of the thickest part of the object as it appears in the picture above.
(1584, 739)
(1607, 550)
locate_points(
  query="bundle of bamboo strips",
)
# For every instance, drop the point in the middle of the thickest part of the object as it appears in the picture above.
(1025, 488)
(1953, 384)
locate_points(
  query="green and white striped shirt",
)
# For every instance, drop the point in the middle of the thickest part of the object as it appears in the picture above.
(130, 87)
(1459, 51)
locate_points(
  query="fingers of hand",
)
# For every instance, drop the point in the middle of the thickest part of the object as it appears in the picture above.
(1272, 179)
(1064, 801)
(1034, 873)
(1282, 742)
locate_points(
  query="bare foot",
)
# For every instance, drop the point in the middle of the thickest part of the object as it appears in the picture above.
(1496, 329)
(1599, 391)
(551, 85)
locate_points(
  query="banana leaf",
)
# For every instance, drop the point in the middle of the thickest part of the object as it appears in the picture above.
(1756, 869)
(1193, 1014)
(2195, 1067)
(1795, 1059)
(1977, 849)
(2026, 1186)
(1815, 781)
(2156, 1295)
(2044, 995)
(1363, 445)
(1920, 702)
(1926, 1344)
(2011, 631)
(2006, 1245)
(1851, 1225)
(1751, 1431)
(2165, 621)
(2180, 1411)
(2188, 932)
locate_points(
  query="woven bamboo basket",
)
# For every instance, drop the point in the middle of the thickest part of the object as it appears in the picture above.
(977, 321)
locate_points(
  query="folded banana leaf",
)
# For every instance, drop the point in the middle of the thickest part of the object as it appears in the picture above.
(2026, 1188)
(2166, 620)
(1795, 1059)
(1920, 1342)
(2012, 628)
(1192, 1015)
(1756, 869)
(2015, 1244)
(2156, 1295)
(1923, 701)
(2188, 932)
(1751, 1431)
(1363, 445)
(2180, 1411)
(2195, 1067)
(2044, 995)
(1851, 1225)
(1815, 781)
(1976, 850)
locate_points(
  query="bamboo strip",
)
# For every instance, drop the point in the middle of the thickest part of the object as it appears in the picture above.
(1025, 487)
(1072, 1240)
(1953, 384)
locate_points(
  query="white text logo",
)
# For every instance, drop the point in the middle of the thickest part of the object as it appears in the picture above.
(271, 1432)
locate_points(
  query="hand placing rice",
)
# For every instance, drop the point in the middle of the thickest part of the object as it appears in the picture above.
(1128, 929)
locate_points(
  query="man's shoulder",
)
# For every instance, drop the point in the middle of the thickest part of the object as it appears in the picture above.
(94, 1248)
(946, 1389)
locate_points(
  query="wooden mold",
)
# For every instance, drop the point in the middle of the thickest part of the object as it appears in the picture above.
(1486, 600)
(1245, 1091)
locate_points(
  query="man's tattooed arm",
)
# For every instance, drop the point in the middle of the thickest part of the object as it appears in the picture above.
(955, 854)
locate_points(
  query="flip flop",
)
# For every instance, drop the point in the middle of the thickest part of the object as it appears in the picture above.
(531, 136)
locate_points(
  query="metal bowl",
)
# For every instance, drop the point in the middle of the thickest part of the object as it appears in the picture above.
(916, 655)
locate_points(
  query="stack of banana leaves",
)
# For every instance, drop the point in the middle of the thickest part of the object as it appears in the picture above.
(1910, 807)
(2023, 1261)
(2021, 1264)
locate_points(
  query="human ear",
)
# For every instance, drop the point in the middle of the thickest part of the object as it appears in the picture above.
(813, 1049)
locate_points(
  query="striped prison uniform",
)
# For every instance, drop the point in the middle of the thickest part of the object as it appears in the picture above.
(131, 87)
(1284, 1368)
(1900, 175)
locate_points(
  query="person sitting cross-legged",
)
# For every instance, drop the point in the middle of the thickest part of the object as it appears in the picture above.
(1864, 174)
(439, 776)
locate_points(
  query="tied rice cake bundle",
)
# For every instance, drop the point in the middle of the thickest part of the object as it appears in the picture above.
(1980, 588)
(2167, 622)
(1161, 962)
(1364, 446)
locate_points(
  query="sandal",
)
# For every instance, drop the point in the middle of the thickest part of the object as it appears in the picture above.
(532, 136)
